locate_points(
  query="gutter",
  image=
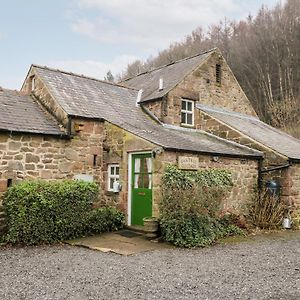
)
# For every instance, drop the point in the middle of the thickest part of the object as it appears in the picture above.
(10, 132)
(294, 160)
(262, 171)
(266, 170)
(245, 156)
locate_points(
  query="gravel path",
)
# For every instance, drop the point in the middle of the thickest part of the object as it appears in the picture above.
(253, 270)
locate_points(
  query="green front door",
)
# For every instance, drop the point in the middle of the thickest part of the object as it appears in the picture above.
(141, 184)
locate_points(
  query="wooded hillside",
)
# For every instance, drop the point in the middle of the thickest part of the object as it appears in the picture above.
(264, 54)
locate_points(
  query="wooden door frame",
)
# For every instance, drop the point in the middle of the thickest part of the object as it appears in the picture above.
(129, 187)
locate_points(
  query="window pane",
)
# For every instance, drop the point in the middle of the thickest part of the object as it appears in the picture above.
(189, 119)
(189, 106)
(149, 164)
(111, 183)
(138, 183)
(183, 104)
(146, 181)
(137, 165)
(117, 170)
(183, 118)
(112, 170)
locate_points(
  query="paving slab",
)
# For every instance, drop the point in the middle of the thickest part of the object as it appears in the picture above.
(124, 242)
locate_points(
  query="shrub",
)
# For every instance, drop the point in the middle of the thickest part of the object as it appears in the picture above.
(46, 212)
(190, 205)
(266, 211)
(104, 219)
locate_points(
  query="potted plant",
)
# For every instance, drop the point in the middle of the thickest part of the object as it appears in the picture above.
(151, 226)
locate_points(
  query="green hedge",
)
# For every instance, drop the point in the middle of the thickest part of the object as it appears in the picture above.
(191, 202)
(47, 212)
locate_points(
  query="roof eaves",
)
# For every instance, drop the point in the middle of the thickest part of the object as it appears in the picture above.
(255, 152)
(235, 155)
(11, 131)
(284, 156)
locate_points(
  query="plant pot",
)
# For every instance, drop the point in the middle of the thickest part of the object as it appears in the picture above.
(151, 226)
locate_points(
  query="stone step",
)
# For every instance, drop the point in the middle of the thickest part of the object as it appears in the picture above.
(136, 228)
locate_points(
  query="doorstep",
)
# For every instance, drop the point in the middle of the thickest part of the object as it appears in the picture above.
(124, 242)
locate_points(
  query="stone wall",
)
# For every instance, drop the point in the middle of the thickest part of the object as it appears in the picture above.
(25, 156)
(295, 185)
(44, 96)
(244, 174)
(201, 86)
(118, 143)
(290, 181)
(218, 128)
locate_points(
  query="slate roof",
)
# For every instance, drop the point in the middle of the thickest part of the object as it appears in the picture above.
(257, 130)
(86, 97)
(172, 74)
(20, 113)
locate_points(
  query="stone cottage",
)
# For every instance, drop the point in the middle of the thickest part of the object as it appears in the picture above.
(191, 113)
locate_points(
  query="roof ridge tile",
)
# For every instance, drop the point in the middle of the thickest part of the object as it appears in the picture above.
(82, 76)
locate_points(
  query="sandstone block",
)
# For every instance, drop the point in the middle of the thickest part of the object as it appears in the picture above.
(14, 145)
(3, 185)
(31, 158)
(65, 167)
(15, 166)
(71, 155)
(46, 174)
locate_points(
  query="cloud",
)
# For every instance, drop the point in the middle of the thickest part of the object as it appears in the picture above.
(149, 24)
(96, 69)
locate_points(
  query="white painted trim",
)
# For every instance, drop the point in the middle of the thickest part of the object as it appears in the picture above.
(129, 189)
(109, 175)
(188, 112)
(130, 182)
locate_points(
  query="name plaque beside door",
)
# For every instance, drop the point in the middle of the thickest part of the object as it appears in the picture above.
(188, 163)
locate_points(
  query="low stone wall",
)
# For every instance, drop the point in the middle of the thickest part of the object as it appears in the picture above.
(24, 156)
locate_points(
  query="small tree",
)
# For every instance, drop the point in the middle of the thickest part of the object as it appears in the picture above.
(109, 76)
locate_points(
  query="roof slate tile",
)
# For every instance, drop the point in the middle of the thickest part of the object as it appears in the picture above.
(85, 97)
(257, 130)
(20, 113)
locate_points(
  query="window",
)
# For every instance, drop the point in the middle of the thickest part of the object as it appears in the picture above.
(95, 160)
(143, 173)
(218, 73)
(187, 112)
(113, 175)
(32, 83)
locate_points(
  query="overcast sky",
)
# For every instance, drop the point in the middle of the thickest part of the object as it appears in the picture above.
(92, 36)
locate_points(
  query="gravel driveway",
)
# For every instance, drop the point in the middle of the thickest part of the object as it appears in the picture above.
(254, 270)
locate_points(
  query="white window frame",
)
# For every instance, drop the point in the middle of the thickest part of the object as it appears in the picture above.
(110, 176)
(185, 111)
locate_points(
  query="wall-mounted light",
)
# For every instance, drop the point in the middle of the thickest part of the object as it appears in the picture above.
(156, 151)
(215, 158)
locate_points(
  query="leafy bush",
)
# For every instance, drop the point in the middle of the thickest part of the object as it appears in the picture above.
(266, 211)
(205, 178)
(190, 205)
(46, 212)
(104, 219)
